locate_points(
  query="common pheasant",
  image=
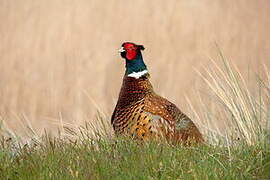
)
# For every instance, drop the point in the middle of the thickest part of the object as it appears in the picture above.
(143, 114)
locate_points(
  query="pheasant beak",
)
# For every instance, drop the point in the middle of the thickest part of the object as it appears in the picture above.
(121, 50)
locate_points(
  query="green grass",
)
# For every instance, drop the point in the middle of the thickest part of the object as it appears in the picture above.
(125, 159)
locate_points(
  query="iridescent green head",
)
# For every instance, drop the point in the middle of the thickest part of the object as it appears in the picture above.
(131, 52)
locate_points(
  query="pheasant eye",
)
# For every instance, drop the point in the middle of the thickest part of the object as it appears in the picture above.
(131, 48)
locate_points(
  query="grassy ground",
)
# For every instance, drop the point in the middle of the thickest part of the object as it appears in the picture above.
(124, 159)
(58, 59)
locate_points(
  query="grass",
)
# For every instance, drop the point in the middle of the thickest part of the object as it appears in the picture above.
(125, 159)
(244, 111)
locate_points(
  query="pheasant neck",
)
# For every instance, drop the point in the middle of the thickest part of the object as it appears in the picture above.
(136, 68)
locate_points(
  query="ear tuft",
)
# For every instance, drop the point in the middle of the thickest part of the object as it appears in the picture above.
(141, 47)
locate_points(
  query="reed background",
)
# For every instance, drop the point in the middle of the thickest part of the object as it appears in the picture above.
(59, 60)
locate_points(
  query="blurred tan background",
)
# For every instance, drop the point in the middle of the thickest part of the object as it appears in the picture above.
(59, 60)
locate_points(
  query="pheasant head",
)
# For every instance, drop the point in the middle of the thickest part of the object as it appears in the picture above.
(135, 66)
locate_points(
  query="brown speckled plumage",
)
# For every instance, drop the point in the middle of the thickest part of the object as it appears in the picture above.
(143, 114)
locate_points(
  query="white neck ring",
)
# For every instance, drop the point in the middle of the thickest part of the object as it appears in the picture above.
(137, 75)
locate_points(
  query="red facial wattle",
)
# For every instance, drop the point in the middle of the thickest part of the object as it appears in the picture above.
(130, 51)
(131, 55)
